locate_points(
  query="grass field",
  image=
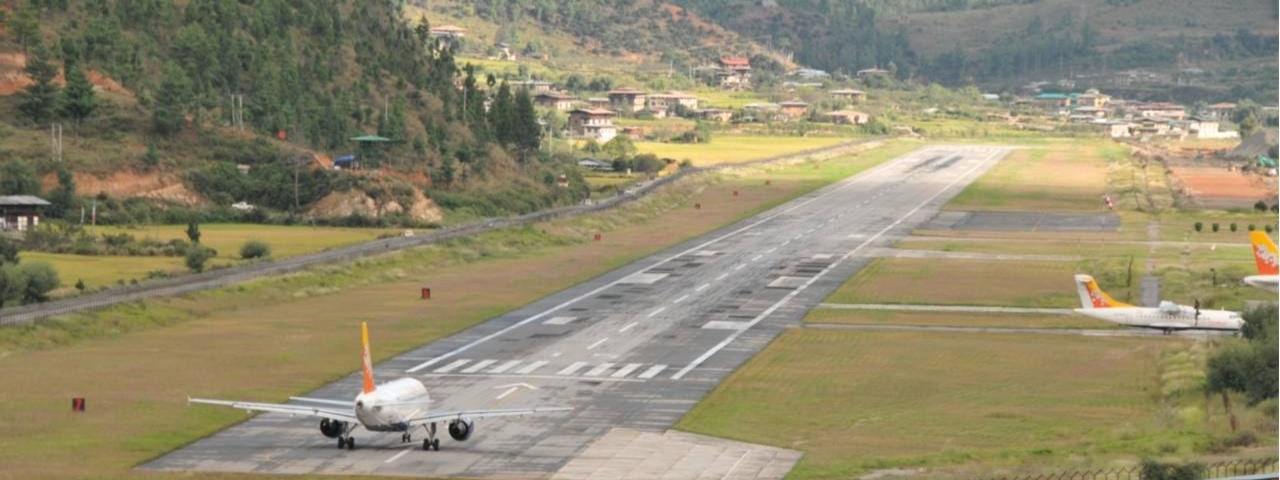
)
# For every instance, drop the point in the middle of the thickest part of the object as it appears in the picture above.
(136, 363)
(285, 241)
(1058, 176)
(959, 405)
(961, 282)
(883, 317)
(735, 148)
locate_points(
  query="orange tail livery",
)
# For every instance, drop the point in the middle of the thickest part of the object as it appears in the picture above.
(1093, 297)
(1264, 253)
(366, 362)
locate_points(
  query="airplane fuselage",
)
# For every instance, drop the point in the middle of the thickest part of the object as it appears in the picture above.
(1265, 282)
(1183, 318)
(392, 405)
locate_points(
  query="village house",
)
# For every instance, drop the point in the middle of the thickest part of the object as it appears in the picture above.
(760, 112)
(1207, 128)
(634, 133)
(847, 117)
(598, 103)
(1092, 98)
(596, 124)
(627, 100)
(794, 108)
(734, 72)
(670, 101)
(1089, 112)
(534, 87)
(1161, 111)
(594, 164)
(555, 101)
(872, 72)
(849, 95)
(1119, 129)
(1053, 101)
(1151, 127)
(809, 74)
(714, 114)
(20, 212)
(1219, 111)
(451, 32)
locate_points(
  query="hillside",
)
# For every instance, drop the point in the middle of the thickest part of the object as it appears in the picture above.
(1194, 49)
(186, 94)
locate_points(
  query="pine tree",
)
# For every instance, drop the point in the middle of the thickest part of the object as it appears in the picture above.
(170, 109)
(39, 100)
(78, 101)
(26, 27)
(62, 198)
(527, 134)
(501, 115)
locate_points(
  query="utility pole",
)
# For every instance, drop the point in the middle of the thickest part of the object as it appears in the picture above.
(55, 141)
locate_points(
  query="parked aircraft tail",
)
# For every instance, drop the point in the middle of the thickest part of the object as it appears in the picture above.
(1264, 253)
(366, 362)
(1091, 296)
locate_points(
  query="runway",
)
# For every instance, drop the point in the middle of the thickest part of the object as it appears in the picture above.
(632, 350)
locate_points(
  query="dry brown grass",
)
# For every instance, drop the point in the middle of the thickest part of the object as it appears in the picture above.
(961, 282)
(1054, 177)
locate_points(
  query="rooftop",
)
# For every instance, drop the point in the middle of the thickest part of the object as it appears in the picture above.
(22, 200)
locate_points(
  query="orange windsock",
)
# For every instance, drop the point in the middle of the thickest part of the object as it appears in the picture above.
(366, 362)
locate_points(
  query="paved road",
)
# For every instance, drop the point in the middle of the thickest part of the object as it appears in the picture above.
(633, 349)
(1088, 332)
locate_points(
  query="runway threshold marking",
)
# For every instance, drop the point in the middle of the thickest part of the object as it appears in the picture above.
(733, 336)
(815, 196)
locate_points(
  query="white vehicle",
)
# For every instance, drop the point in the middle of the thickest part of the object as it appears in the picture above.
(1168, 316)
(1264, 254)
(395, 406)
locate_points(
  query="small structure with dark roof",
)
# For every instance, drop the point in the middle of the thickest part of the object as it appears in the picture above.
(20, 212)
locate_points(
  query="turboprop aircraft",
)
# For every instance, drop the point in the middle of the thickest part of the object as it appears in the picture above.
(1264, 254)
(396, 406)
(1167, 317)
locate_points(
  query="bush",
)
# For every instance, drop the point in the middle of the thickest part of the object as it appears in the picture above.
(1261, 206)
(1233, 227)
(1153, 470)
(1214, 227)
(1199, 226)
(41, 279)
(80, 285)
(197, 256)
(255, 249)
(1252, 227)
(1268, 228)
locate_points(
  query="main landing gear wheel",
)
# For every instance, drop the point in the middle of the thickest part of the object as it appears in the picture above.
(406, 438)
(351, 443)
(342, 442)
(430, 444)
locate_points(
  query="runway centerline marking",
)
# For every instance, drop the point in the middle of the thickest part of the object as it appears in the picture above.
(598, 343)
(702, 287)
(733, 336)
(398, 455)
(722, 276)
(655, 312)
(628, 327)
(681, 299)
(845, 184)
(739, 266)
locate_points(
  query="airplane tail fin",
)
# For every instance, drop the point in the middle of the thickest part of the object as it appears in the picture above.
(366, 361)
(1091, 296)
(1264, 253)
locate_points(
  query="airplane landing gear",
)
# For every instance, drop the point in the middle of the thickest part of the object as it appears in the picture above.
(348, 442)
(431, 442)
(406, 437)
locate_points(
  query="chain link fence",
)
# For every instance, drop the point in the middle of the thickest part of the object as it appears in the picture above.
(1215, 470)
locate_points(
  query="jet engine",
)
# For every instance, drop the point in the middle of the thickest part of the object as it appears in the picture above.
(461, 429)
(332, 428)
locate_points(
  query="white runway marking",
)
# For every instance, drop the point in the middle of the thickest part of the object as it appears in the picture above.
(723, 343)
(624, 371)
(757, 257)
(702, 287)
(450, 367)
(739, 266)
(504, 367)
(722, 277)
(857, 180)
(628, 327)
(398, 455)
(681, 299)
(598, 343)
(572, 368)
(527, 369)
(655, 312)
(599, 370)
(652, 371)
(478, 366)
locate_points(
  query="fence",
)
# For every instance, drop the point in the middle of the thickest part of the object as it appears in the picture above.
(1221, 469)
(27, 314)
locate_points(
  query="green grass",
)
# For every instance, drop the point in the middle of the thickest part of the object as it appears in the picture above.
(884, 317)
(937, 281)
(960, 405)
(735, 148)
(103, 270)
(1056, 177)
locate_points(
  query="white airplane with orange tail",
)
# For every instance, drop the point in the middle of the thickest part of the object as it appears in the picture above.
(396, 406)
(1168, 316)
(1264, 253)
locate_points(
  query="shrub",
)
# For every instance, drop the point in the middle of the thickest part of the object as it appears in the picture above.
(1268, 228)
(255, 249)
(1214, 227)
(197, 256)
(1233, 227)
(1252, 227)
(80, 285)
(1261, 206)
(1199, 226)
(1153, 470)
(41, 279)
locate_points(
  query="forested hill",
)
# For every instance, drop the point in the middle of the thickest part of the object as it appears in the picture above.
(1003, 42)
(190, 89)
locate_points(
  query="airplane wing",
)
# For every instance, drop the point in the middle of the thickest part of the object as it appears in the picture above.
(340, 403)
(329, 413)
(474, 414)
(1169, 326)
